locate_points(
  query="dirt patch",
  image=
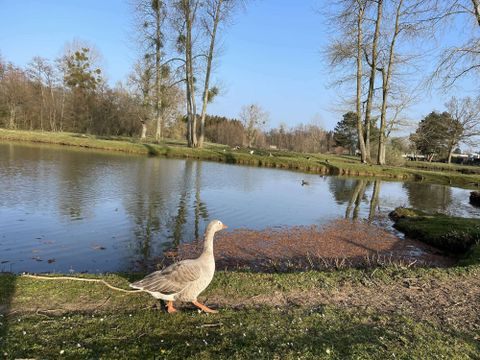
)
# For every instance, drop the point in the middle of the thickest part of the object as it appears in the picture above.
(337, 245)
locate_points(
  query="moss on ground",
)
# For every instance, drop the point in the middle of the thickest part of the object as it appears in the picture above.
(454, 175)
(451, 234)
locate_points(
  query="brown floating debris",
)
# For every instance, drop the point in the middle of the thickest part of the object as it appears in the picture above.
(341, 243)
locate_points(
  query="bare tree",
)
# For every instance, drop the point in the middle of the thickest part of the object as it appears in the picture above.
(253, 118)
(151, 18)
(408, 18)
(386, 72)
(346, 53)
(372, 62)
(13, 93)
(460, 61)
(360, 14)
(186, 22)
(141, 80)
(216, 13)
(370, 31)
(46, 79)
(464, 123)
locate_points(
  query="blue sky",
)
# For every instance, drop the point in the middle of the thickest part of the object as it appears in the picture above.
(271, 52)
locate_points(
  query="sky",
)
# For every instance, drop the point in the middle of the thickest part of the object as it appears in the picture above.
(271, 53)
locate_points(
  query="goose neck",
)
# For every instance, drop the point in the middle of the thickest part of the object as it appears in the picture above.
(208, 244)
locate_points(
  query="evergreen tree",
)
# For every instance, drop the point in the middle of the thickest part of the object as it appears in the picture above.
(345, 133)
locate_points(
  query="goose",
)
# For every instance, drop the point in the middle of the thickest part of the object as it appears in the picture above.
(305, 183)
(184, 280)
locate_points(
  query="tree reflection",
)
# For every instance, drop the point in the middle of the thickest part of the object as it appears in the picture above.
(428, 196)
(199, 208)
(342, 189)
(147, 210)
(374, 201)
(181, 218)
(162, 218)
(356, 200)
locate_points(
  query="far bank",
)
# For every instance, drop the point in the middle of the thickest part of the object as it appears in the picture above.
(454, 175)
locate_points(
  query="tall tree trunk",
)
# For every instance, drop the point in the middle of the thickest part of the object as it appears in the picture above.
(42, 106)
(62, 109)
(386, 76)
(191, 105)
(450, 153)
(361, 141)
(11, 124)
(211, 50)
(53, 111)
(476, 7)
(157, 6)
(371, 84)
(143, 135)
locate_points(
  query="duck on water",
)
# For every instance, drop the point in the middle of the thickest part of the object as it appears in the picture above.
(184, 280)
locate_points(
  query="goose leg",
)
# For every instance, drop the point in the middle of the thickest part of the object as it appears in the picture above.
(170, 308)
(204, 307)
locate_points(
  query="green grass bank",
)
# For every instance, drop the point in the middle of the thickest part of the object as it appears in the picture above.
(461, 176)
(453, 235)
(385, 313)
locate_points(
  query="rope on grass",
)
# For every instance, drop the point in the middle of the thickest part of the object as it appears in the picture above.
(82, 279)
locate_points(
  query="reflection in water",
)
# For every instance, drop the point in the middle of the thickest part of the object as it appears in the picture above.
(429, 196)
(356, 199)
(200, 207)
(145, 211)
(374, 202)
(67, 209)
(157, 221)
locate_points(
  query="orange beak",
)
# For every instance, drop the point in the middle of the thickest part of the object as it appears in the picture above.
(224, 227)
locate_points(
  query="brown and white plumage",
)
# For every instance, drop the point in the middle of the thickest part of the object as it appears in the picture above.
(184, 280)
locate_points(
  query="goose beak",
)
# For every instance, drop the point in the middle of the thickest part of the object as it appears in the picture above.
(224, 227)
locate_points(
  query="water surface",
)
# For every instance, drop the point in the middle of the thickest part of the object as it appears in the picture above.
(64, 209)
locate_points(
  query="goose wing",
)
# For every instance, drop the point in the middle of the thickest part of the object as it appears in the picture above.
(172, 279)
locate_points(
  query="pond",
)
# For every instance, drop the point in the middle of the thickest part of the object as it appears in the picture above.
(64, 209)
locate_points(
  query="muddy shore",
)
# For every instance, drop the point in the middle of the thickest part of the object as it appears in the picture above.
(339, 244)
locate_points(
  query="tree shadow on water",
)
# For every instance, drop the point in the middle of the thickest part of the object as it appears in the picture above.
(7, 289)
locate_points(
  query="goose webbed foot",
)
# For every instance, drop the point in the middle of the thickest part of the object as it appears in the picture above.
(204, 307)
(170, 308)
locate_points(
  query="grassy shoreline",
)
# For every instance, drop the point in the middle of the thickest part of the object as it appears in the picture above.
(312, 163)
(349, 314)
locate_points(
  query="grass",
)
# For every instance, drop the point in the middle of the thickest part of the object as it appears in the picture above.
(451, 234)
(435, 166)
(454, 175)
(54, 319)
(253, 334)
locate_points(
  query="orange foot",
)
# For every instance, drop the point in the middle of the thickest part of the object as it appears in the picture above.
(170, 308)
(204, 307)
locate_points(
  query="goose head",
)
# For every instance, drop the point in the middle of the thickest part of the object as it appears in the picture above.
(214, 226)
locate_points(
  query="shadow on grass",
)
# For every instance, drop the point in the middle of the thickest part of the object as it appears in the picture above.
(7, 288)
